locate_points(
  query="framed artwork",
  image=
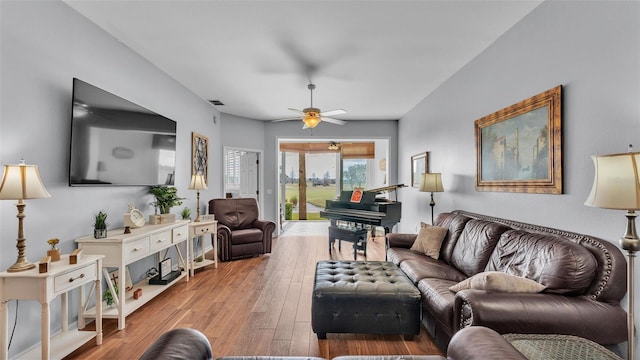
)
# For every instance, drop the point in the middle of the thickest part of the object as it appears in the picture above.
(200, 156)
(519, 148)
(419, 165)
(114, 276)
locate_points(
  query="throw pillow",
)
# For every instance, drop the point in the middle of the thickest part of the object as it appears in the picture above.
(429, 240)
(499, 281)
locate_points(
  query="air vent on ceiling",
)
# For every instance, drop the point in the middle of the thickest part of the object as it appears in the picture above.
(216, 102)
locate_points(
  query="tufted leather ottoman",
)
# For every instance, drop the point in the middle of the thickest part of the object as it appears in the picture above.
(373, 297)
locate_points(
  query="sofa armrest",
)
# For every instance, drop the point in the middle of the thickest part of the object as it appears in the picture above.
(266, 226)
(541, 313)
(180, 343)
(481, 343)
(401, 240)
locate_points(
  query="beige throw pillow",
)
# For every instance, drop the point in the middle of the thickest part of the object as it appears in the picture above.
(499, 281)
(429, 240)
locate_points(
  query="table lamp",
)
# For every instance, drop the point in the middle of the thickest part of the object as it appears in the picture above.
(20, 182)
(616, 185)
(197, 183)
(431, 182)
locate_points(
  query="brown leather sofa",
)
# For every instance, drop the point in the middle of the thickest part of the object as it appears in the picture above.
(241, 233)
(585, 279)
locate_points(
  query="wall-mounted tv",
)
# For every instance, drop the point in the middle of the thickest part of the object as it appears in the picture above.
(115, 142)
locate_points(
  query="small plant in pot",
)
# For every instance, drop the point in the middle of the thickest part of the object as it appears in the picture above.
(100, 225)
(166, 197)
(108, 297)
(186, 214)
(54, 253)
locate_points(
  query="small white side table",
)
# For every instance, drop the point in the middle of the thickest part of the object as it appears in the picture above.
(201, 228)
(59, 280)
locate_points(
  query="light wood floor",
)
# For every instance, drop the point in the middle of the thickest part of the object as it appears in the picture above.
(257, 306)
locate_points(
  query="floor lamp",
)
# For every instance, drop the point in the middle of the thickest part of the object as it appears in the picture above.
(197, 183)
(20, 182)
(616, 185)
(431, 182)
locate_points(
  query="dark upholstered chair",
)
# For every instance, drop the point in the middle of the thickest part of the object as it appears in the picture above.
(240, 233)
(181, 343)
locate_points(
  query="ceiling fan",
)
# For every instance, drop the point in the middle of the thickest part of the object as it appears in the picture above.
(311, 116)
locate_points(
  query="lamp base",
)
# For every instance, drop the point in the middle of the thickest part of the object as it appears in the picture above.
(21, 265)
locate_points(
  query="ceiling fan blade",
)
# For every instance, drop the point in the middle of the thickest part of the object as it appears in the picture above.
(333, 121)
(333, 112)
(296, 110)
(287, 119)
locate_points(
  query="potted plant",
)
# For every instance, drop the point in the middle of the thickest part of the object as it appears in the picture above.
(186, 214)
(166, 197)
(100, 225)
(54, 252)
(108, 297)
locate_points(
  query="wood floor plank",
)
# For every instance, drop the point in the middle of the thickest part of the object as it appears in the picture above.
(256, 306)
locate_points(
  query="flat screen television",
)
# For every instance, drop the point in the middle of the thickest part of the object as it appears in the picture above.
(117, 143)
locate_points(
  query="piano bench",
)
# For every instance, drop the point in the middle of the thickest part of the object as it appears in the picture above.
(358, 236)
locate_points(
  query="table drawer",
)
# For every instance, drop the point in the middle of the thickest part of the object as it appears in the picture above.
(136, 249)
(180, 234)
(160, 241)
(203, 229)
(71, 279)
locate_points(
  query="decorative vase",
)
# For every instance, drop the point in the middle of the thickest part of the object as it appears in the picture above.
(99, 233)
(54, 254)
(167, 218)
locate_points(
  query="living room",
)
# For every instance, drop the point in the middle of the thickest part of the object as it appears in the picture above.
(591, 48)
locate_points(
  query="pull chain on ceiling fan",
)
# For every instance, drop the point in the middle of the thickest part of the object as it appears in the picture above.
(312, 116)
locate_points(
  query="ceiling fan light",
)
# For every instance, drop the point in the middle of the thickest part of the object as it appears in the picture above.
(311, 120)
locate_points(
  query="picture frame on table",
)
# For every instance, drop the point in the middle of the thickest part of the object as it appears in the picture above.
(519, 148)
(419, 165)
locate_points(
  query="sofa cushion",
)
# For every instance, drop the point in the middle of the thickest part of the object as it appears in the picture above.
(235, 213)
(425, 267)
(429, 240)
(398, 255)
(246, 236)
(455, 223)
(475, 245)
(562, 266)
(498, 281)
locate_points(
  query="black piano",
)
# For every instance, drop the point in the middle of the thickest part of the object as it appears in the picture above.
(370, 210)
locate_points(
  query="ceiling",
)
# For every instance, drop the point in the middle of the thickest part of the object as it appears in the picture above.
(375, 59)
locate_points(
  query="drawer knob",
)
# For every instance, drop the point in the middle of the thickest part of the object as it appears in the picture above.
(79, 277)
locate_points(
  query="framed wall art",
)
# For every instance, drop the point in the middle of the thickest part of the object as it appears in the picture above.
(419, 165)
(200, 156)
(519, 148)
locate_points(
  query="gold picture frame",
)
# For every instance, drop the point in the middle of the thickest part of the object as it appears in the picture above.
(519, 148)
(200, 156)
(419, 165)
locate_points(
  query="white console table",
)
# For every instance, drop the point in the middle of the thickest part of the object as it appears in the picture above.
(120, 249)
(59, 280)
(202, 228)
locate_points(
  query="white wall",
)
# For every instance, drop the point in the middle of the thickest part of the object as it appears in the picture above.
(592, 48)
(43, 45)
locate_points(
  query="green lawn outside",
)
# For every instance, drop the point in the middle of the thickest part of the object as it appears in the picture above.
(315, 194)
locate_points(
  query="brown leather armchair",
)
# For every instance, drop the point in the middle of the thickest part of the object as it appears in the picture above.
(240, 233)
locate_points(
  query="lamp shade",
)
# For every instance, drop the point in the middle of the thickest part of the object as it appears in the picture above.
(197, 182)
(312, 119)
(22, 182)
(431, 182)
(616, 182)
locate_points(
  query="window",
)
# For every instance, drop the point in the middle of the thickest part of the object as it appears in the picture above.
(232, 169)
